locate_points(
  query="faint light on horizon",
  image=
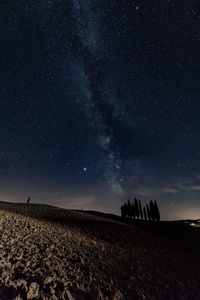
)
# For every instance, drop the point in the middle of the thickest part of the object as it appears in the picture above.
(192, 224)
(177, 212)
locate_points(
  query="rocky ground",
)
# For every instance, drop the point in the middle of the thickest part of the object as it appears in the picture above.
(50, 253)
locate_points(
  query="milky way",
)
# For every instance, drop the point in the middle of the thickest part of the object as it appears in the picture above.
(100, 103)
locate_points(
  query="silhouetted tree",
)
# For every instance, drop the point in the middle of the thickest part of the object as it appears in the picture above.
(125, 210)
(122, 211)
(129, 208)
(157, 213)
(148, 212)
(136, 208)
(145, 213)
(140, 209)
(152, 210)
(132, 210)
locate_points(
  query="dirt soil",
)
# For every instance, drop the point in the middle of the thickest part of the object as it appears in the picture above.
(52, 253)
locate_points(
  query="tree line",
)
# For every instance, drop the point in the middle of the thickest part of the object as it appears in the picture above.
(134, 209)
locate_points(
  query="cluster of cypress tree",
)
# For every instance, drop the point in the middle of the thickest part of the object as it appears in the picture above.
(136, 211)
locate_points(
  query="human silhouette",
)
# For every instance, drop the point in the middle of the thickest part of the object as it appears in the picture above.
(28, 201)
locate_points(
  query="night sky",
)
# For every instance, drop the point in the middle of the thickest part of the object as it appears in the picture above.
(100, 103)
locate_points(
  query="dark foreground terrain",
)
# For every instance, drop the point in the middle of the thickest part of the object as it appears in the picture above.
(52, 253)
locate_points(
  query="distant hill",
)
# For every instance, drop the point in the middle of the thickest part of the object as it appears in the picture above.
(188, 222)
(48, 252)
